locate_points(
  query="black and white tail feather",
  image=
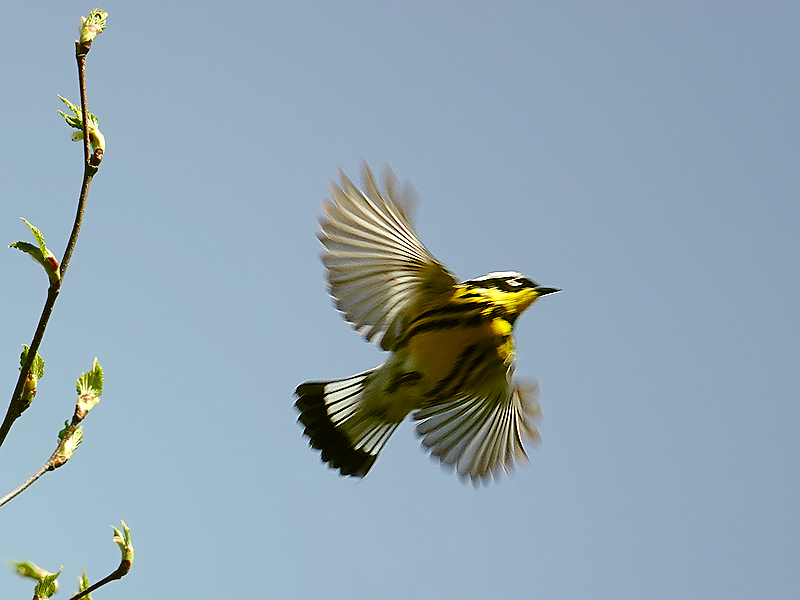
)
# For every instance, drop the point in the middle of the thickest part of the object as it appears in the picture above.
(381, 277)
(324, 409)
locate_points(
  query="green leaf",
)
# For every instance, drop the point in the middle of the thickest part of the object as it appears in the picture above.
(75, 120)
(90, 388)
(72, 443)
(26, 568)
(32, 378)
(63, 432)
(83, 584)
(91, 382)
(34, 252)
(92, 25)
(39, 237)
(47, 586)
(37, 368)
(41, 254)
(68, 445)
(124, 542)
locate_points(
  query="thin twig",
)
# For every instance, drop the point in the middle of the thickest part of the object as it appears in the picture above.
(16, 407)
(49, 464)
(121, 571)
(89, 169)
(91, 163)
(24, 486)
(123, 540)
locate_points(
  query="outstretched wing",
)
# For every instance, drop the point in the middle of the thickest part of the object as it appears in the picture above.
(480, 434)
(378, 270)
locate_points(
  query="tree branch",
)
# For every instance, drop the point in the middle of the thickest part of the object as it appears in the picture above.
(91, 163)
(56, 460)
(121, 571)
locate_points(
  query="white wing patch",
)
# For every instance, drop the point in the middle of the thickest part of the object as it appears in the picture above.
(377, 267)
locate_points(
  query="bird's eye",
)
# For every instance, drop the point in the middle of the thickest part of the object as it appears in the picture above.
(516, 283)
(511, 285)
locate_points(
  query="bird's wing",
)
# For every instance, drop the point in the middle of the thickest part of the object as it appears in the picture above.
(376, 266)
(477, 435)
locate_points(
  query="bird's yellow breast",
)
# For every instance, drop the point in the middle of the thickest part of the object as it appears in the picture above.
(444, 353)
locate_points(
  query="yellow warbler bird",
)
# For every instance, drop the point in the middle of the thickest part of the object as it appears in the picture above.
(451, 345)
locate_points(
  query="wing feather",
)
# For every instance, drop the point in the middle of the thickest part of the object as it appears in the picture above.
(480, 435)
(377, 268)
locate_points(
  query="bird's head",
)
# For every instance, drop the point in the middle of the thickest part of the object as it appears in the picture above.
(509, 289)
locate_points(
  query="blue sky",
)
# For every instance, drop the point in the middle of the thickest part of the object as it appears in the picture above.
(641, 156)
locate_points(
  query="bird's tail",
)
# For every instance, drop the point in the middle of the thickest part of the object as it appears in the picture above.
(337, 423)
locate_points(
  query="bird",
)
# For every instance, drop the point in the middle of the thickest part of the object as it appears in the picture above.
(451, 348)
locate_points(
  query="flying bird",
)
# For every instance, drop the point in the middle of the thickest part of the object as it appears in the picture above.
(450, 344)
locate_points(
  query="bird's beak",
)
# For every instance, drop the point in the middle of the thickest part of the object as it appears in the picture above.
(541, 290)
